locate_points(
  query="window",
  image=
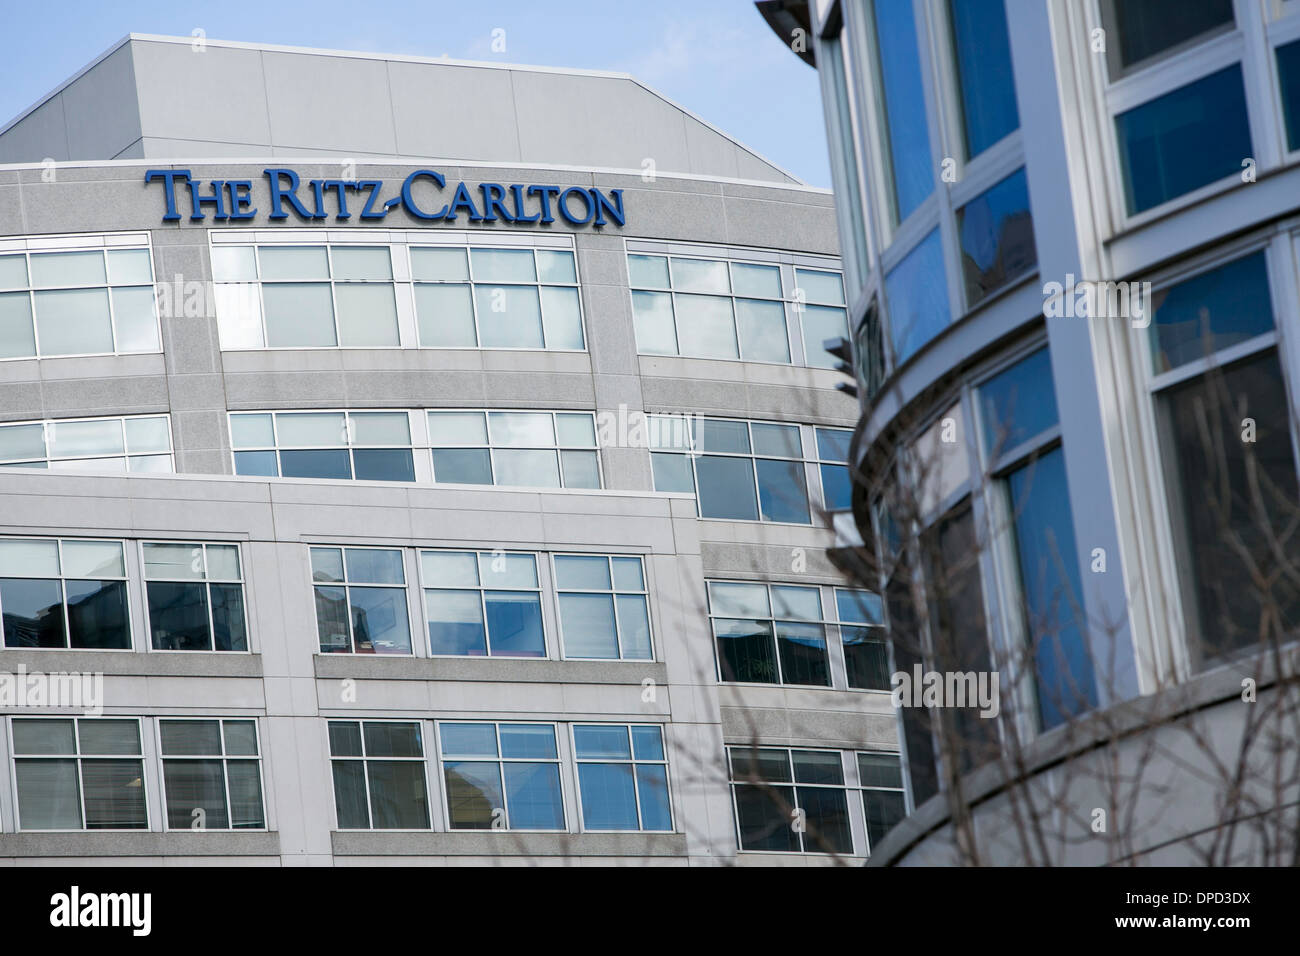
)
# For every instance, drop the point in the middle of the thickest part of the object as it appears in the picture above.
(898, 61)
(195, 597)
(842, 133)
(622, 777)
(501, 776)
(87, 302)
(311, 296)
(137, 444)
(360, 601)
(79, 774)
(602, 605)
(497, 298)
(1230, 498)
(883, 801)
(982, 52)
(1183, 140)
(832, 457)
(522, 449)
(1148, 29)
(379, 781)
(997, 238)
(366, 446)
(482, 603)
(738, 470)
(866, 654)
(64, 593)
(790, 801)
(212, 774)
(769, 634)
(1288, 81)
(917, 296)
(820, 306)
(1018, 408)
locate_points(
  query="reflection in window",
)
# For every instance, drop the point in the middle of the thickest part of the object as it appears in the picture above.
(883, 802)
(1288, 81)
(862, 632)
(833, 455)
(622, 777)
(1211, 311)
(365, 446)
(482, 603)
(997, 237)
(916, 291)
(195, 597)
(138, 444)
(769, 634)
(769, 783)
(898, 55)
(360, 601)
(983, 54)
(521, 449)
(501, 776)
(1147, 28)
(64, 593)
(602, 605)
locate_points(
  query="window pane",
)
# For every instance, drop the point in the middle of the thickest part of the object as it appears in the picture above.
(652, 315)
(361, 262)
(763, 815)
(85, 559)
(323, 463)
(705, 327)
(457, 428)
(628, 575)
(527, 740)
(74, 322)
(866, 658)
(762, 281)
(904, 107)
(33, 612)
(533, 796)
(746, 651)
(1288, 81)
(770, 765)
(648, 743)
(700, 275)
(367, 314)
(455, 620)
(239, 315)
(521, 428)
(22, 441)
(251, 431)
(389, 739)
(1149, 27)
(608, 796)
(821, 323)
(817, 766)
(727, 488)
(837, 487)
(716, 434)
(468, 740)
(827, 817)
(311, 429)
(633, 627)
(383, 464)
(379, 624)
(582, 572)
(880, 770)
(229, 632)
(463, 466)
(245, 784)
(997, 237)
(178, 616)
(233, 264)
(581, 469)
(648, 271)
(129, 267)
(114, 794)
(13, 272)
(803, 654)
(983, 54)
(656, 809)
(44, 737)
(241, 737)
(54, 269)
(374, 566)
(1018, 403)
(556, 265)
(473, 793)
(397, 795)
(173, 561)
(75, 439)
(449, 569)
(796, 603)
(345, 738)
(738, 600)
(439, 264)
(503, 265)
(917, 298)
(859, 606)
(509, 317)
(446, 316)
(561, 319)
(298, 314)
(350, 794)
(782, 491)
(147, 435)
(97, 615)
(763, 336)
(822, 287)
(195, 785)
(592, 741)
(332, 620)
(17, 338)
(576, 430)
(134, 322)
(514, 623)
(526, 468)
(326, 564)
(1211, 311)
(588, 623)
(48, 795)
(223, 561)
(294, 262)
(29, 557)
(884, 809)
(1183, 140)
(778, 440)
(672, 472)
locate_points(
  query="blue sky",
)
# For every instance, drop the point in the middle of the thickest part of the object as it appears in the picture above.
(715, 57)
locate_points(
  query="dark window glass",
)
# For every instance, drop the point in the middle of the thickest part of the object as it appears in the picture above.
(727, 488)
(1018, 403)
(315, 463)
(997, 237)
(837, 488)
(1288, 81)
(397, 797)
(983, 54)
(746, 651)
(473, 793)
(228, 617)
(462, 466)
(912, 165)
(826, 815)
(905, 644)
(332, 620)
(257, 463)
(97, 615)
(113, 794)
(514, 623)
(1053, 592)
(917, 296)
(1146, 28)
(782, 491)
(192, 785)
(33, 612)
(764, 814)
(803, 653)
(869, 353)
(379, 623)
(1211, 311)
(350, 795)
(884, 808)
(866, 657)
(1186, 139)
(383, 464)
(178, 616)
(1234, 505)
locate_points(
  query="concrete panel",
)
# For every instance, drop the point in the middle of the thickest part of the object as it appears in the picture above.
(179, 86)
(333, 102)
(440, 112)
(101, 110)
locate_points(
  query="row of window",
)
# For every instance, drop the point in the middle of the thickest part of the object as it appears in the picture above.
(137, 443)
(92, 774)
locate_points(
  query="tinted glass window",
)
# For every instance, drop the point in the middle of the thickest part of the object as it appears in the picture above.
(983, 54)
(997, 237)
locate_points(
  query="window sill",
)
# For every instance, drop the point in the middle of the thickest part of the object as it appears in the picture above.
(126, 663)
(495, 669)
(99, 843)
(506, 843)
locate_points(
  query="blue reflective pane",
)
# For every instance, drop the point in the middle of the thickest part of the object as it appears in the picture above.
(379, 624)
(260, 463)
(983, 53)
(900, 77)
(997, 237)
(1049, 571)
(1183, 140)
(455, 620)
(1018, 403)
(588, 624)
(648, 743)
(782, 491)
(837, 487)
(315, 463)
(527, 740)
(727, 488)
(608, 796)
(1211, 311)
(384, 464)
(593, 741)
(917, 294)
(514, 621)
(1288, 81)
(468, 740)
(833, 443)
(533, 796)
(652, 786)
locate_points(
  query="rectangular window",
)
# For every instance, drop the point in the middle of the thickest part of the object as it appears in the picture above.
(523, 449)
(482, 603)
(902, 96)
(140, 443)
(603, 607)
(360, 601)
(832, 462)
(819, 303)
(982, 52)
(501, 776)
(379, 781)
(64, 593)
(883, 802)
(790, 801)
(738, 470)
(497, 298)
(1188, 138)
(997, 238)
(195, 597)
(1143, 31)
(862, 633)
(917, 297)
(79, 774)
(769, 634)
(361, 446)
(212, 774)
(89, 302)
(622, 777)
(1288, 81)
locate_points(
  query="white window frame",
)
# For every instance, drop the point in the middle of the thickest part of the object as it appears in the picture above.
(614, 592)
(225, 773)
(51, 425)
(543, 588)
(633, 762)
(242, 581)
(126, 580)
(365, 759)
